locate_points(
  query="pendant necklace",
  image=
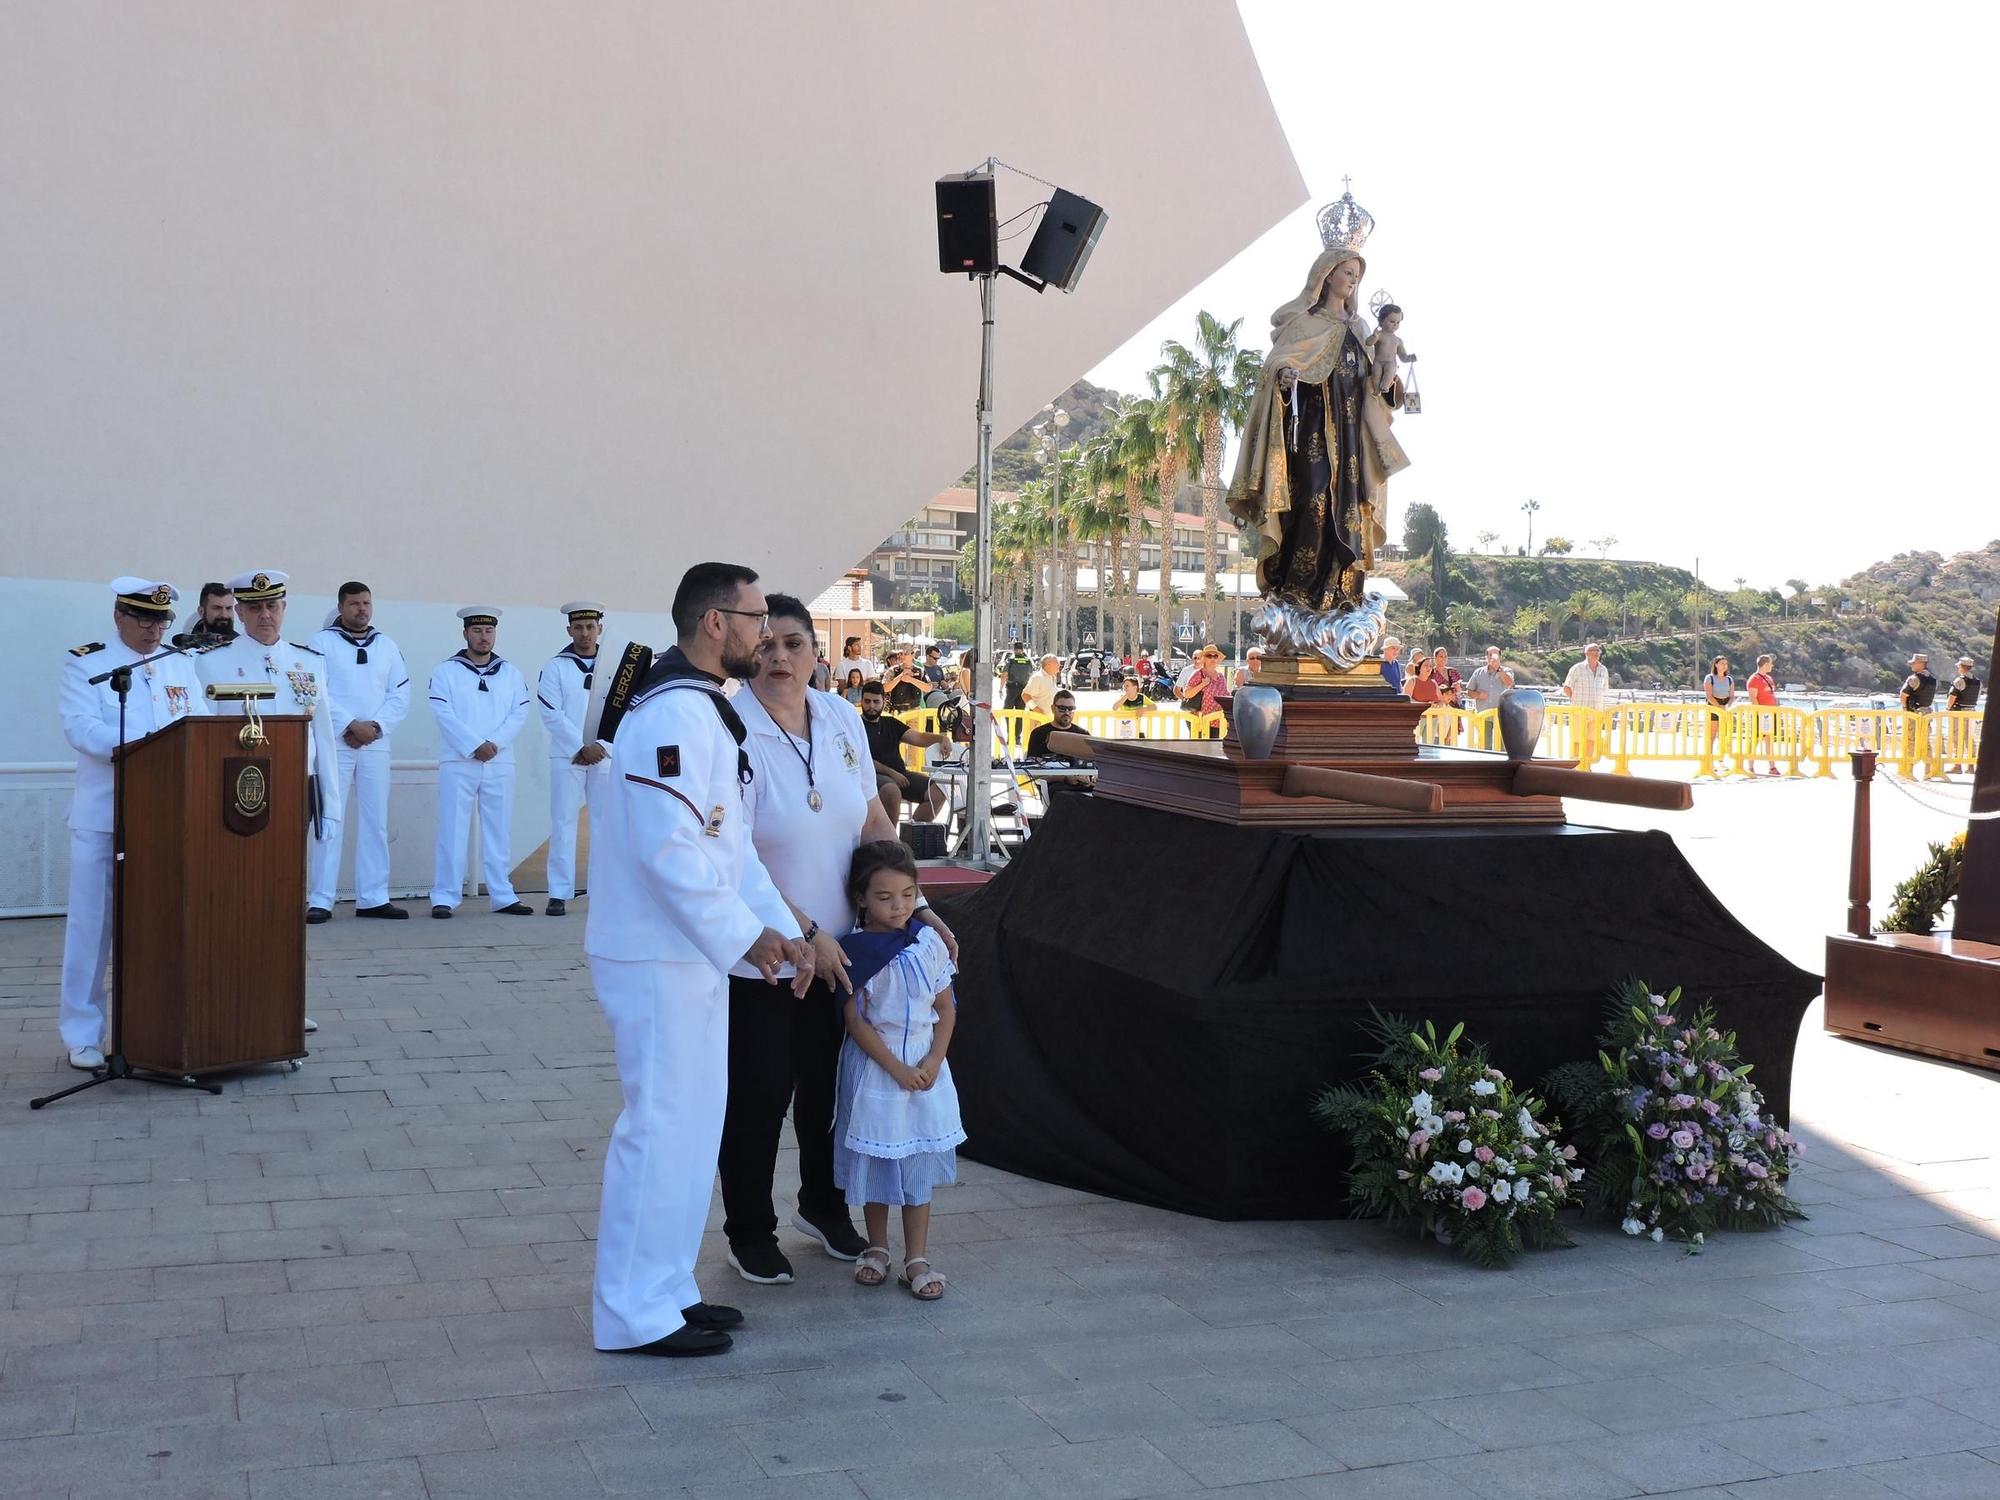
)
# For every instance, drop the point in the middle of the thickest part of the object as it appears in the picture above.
(813, 798)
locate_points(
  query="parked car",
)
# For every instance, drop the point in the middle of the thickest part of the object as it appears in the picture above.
(1091, 671)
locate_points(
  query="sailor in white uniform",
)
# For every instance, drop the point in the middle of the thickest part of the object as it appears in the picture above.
(480, 702)
(160, 693)
(368, 695)
(677, 896)
(577, 771)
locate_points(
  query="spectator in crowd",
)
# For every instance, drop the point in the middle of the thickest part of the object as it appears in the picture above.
(895, 782)
(851, 689)
(1205, 688)
(968, 663)
(1763, 691)
(934, 678)
(1451, 687)
(1421, 684)
(1392, 666)
(1017, 668)
(1039, 694)
(1919, 689)
(1144, 666)
(1962, 697)
(822, 672)
(1588, 685)
(1253, 663)
(903, 683)
(1132, 707)
(1488, 682)
(850, 656)
(1064, 722)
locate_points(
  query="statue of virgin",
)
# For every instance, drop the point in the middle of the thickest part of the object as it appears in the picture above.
(1317, 453)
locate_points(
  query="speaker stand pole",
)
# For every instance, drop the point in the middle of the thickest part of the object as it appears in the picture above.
(979, 758)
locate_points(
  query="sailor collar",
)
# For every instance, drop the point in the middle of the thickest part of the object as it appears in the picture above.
(584, 664)
(358, 641)
(493, 665)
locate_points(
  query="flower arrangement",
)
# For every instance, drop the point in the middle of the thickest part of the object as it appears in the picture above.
(1674, 1131)
(1442, 1138)
(1920, 901)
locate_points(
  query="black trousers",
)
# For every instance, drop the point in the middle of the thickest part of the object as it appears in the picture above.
(782, 1052)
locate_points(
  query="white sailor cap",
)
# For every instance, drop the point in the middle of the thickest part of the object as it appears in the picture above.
(148, 595)
(265, 583)
(480, 614)
(584, 609)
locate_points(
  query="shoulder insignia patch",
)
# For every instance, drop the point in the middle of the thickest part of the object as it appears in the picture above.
(86, 649)
(667, 760)
(304, 647)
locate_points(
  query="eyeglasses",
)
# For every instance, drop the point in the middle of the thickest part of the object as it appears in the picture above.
(761, 616)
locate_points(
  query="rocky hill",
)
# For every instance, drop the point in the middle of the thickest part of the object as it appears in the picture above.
(1014, 461)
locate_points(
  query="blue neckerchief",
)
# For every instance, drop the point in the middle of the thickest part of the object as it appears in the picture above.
(869, 953)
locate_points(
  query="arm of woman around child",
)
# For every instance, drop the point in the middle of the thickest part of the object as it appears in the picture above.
(869, 1040)
(926, 1072)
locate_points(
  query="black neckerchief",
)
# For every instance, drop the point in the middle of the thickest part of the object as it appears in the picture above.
(673, 670)
(360, 644)
(584, 664)
(493, 665)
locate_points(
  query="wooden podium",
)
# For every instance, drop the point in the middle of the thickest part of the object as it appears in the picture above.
(209, 945)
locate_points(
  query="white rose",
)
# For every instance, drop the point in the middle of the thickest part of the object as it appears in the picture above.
(1485, 1086)
(1658, 1235)
(1502, 1190)
(1633, 1226)
(1421, 1104)
(1465, 1146)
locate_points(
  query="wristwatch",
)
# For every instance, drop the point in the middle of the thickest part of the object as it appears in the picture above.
(812, 932)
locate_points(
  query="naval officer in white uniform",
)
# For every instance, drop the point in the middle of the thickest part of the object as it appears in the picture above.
(678, 895)
(577, 771)
(368, 695)
(160, 692)
(480, 702)
(260, 654)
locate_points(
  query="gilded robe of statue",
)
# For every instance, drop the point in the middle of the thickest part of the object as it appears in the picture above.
(1312, 474)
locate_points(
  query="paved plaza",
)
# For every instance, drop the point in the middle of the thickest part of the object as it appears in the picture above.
(371, 1279)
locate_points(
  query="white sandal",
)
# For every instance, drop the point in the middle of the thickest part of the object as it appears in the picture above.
(875, 1260)
(920, 1286)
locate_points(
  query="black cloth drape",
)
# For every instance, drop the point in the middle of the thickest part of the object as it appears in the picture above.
(1149, 1003)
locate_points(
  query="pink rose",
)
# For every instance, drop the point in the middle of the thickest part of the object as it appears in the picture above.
(1419, 1139)
(1472, 1199)
(1431, 1075)
(1569, 1153)
(1454, 1116)
(1483, 1153)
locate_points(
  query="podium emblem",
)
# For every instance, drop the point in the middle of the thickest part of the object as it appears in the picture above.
(246, 794)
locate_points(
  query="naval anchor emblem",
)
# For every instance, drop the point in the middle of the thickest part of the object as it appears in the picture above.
(246, 794)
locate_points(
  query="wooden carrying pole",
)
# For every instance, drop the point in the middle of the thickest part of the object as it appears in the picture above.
(1370, 791)
(1594, 786)
(1070, 744)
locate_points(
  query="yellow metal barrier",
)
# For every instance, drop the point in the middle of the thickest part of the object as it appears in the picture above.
(1771, 733)
(1465, 728)
(1954, 742)
(1659, 731)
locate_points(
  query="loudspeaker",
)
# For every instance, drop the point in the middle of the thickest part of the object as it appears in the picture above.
(1063, 240)
(968, 225)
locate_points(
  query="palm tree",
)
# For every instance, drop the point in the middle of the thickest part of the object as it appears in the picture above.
(1801, 594)
(1099, 475)
(1215, 380)
(1137, 467)
(1528, 509)
(1604, 543)
(1529, 622)
(1465, 621)
(1487, 538)
(1176, 430)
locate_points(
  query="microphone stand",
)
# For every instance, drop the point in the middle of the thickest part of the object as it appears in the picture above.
(115, 1064)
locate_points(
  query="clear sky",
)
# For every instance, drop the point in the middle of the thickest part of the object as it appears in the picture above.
(1717, 280)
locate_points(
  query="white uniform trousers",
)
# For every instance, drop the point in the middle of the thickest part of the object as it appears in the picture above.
(670, 1025)
(461, 783)
(364, 802)
(86, 939)
(570, 787)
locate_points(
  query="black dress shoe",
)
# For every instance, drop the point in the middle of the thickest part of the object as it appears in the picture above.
(764, 1264)
(385, 911)
(683, 1343)
(518, 909)
(557, 907)
(712, 1316)
(441, 912)
(316, 915)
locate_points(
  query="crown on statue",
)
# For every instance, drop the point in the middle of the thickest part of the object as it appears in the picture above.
(1344, 223)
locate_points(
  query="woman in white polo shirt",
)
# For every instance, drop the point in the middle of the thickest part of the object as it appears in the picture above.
(814, 800)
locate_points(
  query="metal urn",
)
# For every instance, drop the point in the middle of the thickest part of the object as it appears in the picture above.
(1257, 714)
(1521, 714)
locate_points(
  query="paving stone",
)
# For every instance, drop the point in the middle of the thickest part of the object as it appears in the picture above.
(36, 1411)
(1113, 1469)
(312, 1390)
(1534, 1472)
(1244, 1452)
(456, 1379)
(103, 1405)
(1945, 1476)
(400, 1480)
(407, 1431)
(383, 1268)
(690, 1456)
(556, 1471)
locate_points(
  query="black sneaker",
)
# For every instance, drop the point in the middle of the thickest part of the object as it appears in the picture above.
(835, 1234)
(764, 1264)
(712, 1316)
(557, 907)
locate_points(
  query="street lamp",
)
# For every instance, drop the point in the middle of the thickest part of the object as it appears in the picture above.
(1055, 417)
